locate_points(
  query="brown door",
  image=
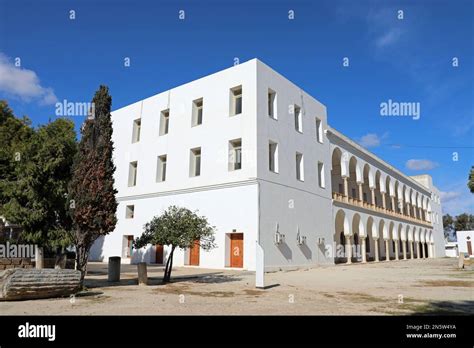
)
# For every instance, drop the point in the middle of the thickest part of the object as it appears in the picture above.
(159, 254)
(469, 248)
(194, 254)
(237, 250)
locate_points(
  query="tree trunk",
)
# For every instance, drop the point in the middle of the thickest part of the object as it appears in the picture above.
(60, 261)
(169, 266)
(82, 256)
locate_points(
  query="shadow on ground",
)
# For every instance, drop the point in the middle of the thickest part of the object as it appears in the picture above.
(444, 308)
(207, 278)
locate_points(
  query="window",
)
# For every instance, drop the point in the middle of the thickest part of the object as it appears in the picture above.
(129, 211)
(197, 112)
(319, 130)
(298, 118)
(236, 101)
(164, 122)
(235, 154)
(299, 167)
(132, 174)
(273, 157)
(161, 169)
(136, 130)
(321, 180)
(195, 162)
(272, 104)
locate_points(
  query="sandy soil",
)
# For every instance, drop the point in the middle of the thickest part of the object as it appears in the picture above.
(433, 286)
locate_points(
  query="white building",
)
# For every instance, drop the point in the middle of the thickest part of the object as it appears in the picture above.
(465, 242)
(254, 154)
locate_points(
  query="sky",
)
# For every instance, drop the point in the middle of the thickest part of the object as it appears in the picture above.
(416, 51)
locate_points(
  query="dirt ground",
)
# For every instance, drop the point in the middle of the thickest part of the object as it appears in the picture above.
(430, 286)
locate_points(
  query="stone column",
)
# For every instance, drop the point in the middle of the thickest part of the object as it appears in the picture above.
(404, 247)
(387, 251)
(396, 249)
(376, 246)
(142, 274)
(394, 208)
(400, 205)
(412, 255)
(361, 192)
(39, 257)
(417, 245)
(384, 204)
(421, 215)
(346, 188)
(372, 192)
(423, 250)
(348, 250)
(362, 248)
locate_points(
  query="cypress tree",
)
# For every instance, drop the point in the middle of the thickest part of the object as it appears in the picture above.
(91, 192)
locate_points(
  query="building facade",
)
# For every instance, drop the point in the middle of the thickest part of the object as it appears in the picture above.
(254, 154)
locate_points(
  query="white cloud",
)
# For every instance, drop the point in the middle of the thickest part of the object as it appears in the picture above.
(420, 164)
(449, 196)
(388, 38)
(372, 140)
(23, 84)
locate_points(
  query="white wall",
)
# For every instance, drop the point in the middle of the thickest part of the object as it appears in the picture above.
(462, 238)
(283, 199)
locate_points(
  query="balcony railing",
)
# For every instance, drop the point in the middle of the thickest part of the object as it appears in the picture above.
(369, 206)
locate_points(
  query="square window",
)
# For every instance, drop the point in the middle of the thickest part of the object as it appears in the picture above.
(235, 101)
(272, 104)
(161, 168)
(298, 118)
(129, 211)
(235, 154)
(132, 174)
(273, 157)
(299, 167)
(197, 112)
(136, 130)
(195, 162)
(164, 122)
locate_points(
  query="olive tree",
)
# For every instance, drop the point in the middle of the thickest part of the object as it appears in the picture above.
(177, 227)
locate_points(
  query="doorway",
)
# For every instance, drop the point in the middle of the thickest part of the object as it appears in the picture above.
(237, 250)
(159, 254)
(194, 254)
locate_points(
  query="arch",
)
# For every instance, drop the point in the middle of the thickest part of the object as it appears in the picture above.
(403, 232)
(357, 225)
(378, 189)
(366, 173)
(352, 177)
(342, 223)
(383, 231)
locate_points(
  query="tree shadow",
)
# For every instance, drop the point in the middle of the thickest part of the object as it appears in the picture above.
(445, 308)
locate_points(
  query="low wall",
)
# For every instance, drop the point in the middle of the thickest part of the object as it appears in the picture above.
(9, 263)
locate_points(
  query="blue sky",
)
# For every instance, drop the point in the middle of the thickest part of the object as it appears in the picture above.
(405, 60)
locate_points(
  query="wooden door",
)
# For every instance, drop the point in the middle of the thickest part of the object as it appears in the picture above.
(237, 250)
(469, 248)
(194, 254)
(159, 254)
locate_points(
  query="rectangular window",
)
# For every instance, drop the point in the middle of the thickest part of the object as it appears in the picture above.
(235, 154)
(195, 162)
(321, 179)
(197, 112)
(299, 167)
(136, 130)
(161, 168)
(132, 174)
(236, 101)
(129, 211)
(272, 104)
(164, 122)
(319, 130)
(298, 118)
(273, 156)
